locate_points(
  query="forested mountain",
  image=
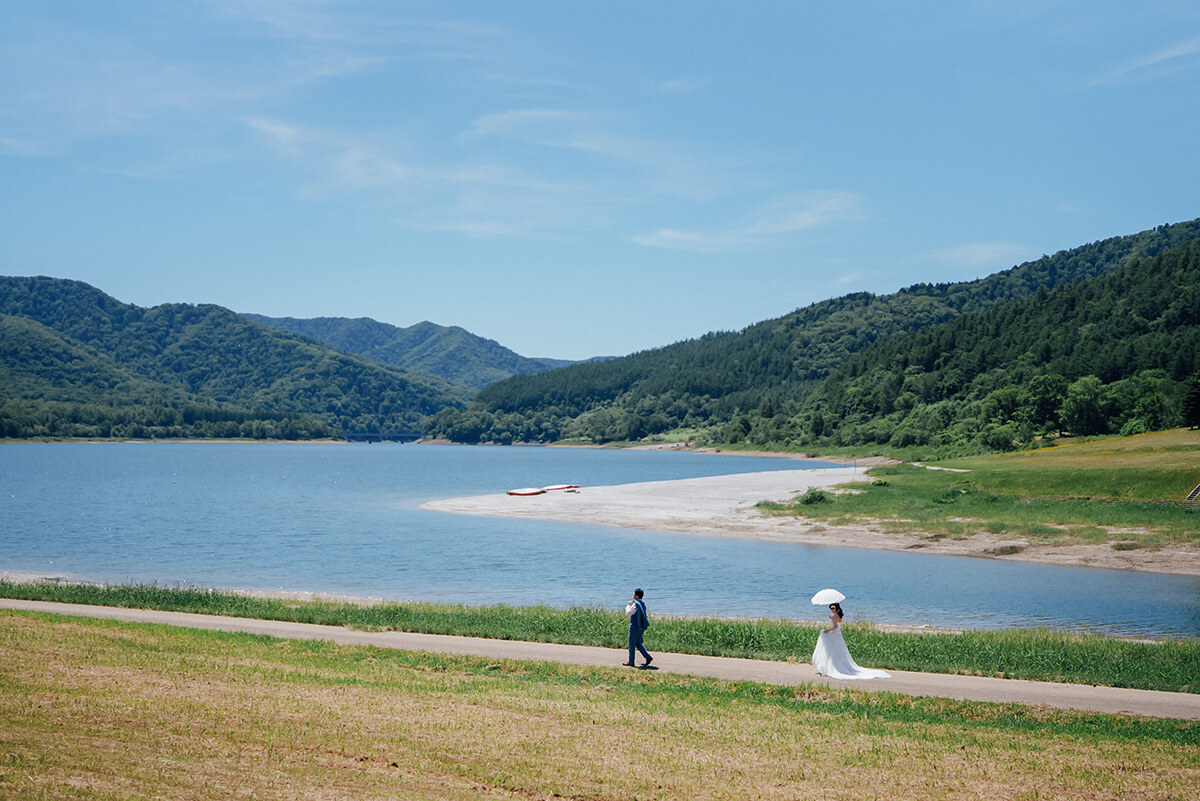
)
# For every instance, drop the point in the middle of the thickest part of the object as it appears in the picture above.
(1102, 338)
(724, 385)
(76, 362)
(454, 353)
(52, 386)
(1113, 354)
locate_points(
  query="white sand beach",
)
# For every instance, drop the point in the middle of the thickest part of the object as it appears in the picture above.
(725, 506)
(717, 505)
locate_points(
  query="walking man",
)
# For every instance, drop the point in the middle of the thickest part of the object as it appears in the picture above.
(639, 621)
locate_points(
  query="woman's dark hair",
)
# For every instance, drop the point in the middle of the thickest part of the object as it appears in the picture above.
(837, 608)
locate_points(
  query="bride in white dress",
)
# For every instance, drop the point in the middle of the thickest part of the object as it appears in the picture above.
(832, 659)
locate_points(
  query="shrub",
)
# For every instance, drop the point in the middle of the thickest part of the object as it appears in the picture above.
(814, 495)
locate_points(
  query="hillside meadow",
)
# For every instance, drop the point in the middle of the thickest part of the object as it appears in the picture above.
(1125, 491)
(103, 710)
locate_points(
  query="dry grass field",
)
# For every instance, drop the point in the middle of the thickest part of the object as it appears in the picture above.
(101, 710)
(1163, 450)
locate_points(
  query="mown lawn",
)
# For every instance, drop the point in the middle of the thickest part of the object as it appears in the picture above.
(103, 710)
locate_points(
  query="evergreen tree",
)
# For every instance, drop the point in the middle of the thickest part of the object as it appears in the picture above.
(1191, 403)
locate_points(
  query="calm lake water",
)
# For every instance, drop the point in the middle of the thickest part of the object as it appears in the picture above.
(343, 518)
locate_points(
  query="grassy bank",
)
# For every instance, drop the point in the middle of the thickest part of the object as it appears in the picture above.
(1127, 491)
(104, 710)
(1172, 665)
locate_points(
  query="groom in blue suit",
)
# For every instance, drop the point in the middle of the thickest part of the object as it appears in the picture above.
(639, 621)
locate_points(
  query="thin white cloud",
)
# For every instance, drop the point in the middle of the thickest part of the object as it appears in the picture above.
(981, 254)
(803, 212)
(486, 199)
(691, 241)
(524, 122)
(773, 225)
(335, 27)
(197, 106)
(21, 147)
(69, 87)
(655, 167)
(285, 138)
(336, 162)
(475, 229)
(365, 169)
(67, 82)
(1167, 61)
(678, 86)
(563, 129)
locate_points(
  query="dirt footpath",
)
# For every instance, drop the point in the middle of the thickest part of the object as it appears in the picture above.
(974, 688)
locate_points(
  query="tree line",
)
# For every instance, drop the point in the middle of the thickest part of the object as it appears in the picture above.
(58, 420)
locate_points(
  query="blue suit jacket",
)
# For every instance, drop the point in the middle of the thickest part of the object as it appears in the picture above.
(639, 621)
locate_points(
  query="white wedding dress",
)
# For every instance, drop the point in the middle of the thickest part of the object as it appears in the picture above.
(832, 659)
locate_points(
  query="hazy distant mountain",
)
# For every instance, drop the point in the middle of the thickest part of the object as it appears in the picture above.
(454, 353)
(77, 362)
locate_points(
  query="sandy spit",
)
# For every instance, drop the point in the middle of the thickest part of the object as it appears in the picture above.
(725, 506)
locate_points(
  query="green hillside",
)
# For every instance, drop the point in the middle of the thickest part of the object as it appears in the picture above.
(77, 362)
(453, 353)
(52, 386)
(751, 386)
(1098, 339)
(1111, 355)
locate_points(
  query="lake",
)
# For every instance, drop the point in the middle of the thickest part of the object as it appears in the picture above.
(344, 518)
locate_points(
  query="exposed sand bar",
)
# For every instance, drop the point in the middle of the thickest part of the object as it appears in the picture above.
(715, 505)
(724, 506)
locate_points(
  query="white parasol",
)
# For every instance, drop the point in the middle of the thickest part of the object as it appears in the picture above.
(827, 596)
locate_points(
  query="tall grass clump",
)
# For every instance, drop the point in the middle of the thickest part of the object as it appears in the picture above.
(1038, 655)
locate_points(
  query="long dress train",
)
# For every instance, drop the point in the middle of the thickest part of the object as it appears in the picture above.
(832, 659)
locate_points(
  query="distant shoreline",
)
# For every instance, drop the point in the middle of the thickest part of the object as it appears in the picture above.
(177, 441)
(670, 447)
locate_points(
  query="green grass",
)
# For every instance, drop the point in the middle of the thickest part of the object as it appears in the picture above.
(105, 710)
(1126, 490)
(1171, 665)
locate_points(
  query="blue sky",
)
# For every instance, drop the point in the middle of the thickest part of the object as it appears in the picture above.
(575, 179)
